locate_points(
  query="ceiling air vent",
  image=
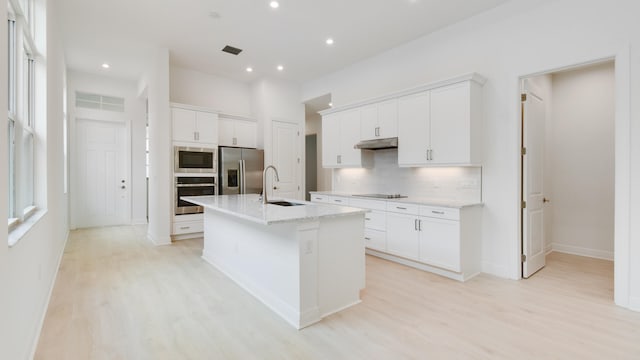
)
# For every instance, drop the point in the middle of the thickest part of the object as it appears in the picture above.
(232, 50)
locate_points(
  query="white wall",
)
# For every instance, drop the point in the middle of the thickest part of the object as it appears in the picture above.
(28, 269)
(215, 92)
(134, 116)
(581, 142)
(280, 101)
(155, 86)
(517, 39)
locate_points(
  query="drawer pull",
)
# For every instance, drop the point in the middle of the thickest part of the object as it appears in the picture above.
(185, 227)
(438, 212)
(401, 208)
(366, 238)
(368, 219)
(338, 201)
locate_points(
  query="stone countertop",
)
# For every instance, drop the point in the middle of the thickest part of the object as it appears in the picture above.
(456, 204)
(250, 207)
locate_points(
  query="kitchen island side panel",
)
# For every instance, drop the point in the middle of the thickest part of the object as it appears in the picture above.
(298, 269)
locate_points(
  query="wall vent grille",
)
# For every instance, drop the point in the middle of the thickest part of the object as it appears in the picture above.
(231, 50)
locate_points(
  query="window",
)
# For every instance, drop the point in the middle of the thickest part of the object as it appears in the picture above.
(11, 117)
(99, 102)
(24, 116)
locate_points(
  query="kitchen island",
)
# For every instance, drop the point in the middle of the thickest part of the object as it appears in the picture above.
(304, 261)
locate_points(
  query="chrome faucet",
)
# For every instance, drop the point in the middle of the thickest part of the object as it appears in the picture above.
(264, 181)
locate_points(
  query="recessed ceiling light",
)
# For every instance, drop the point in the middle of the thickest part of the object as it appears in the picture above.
(105, 66)
(274, 4)
(329, 41)
(249, 69)
(280, 67)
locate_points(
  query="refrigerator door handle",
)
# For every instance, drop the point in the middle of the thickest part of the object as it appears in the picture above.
(243, 187)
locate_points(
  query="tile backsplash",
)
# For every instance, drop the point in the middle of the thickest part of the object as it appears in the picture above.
(450, 183)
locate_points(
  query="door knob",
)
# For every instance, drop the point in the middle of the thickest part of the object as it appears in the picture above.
(122, 181)
(122, 187)
(275, 188)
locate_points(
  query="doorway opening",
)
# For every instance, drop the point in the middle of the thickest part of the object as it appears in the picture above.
(568, 166)
(317, 178)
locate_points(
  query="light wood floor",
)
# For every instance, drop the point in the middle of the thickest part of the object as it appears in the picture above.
(118, 297)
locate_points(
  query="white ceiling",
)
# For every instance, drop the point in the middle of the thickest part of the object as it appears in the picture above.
(125, 32)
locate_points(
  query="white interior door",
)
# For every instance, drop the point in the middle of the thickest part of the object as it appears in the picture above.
(102, 197)
(287, 159)
(533, 127)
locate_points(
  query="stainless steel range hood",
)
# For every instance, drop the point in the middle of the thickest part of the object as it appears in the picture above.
(377, 144)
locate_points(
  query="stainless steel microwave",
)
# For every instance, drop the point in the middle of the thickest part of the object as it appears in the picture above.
(194, 160)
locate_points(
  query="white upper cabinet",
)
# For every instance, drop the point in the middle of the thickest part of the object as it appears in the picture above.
(330, 140)
(436, 124)
(340, 132)
(207, 127)
(440, 126)
(236, 132)
(194, 126)
(451, 124)
(379, 121)
(413, 129)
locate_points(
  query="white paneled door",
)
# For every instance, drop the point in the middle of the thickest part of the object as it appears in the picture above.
(102, 197)
(533, 242)
(287, 158)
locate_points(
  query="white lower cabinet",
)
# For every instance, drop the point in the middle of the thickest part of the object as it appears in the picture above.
(440, 243)
(187, 227)
(437, 239)
(375, 239)
(403, 238)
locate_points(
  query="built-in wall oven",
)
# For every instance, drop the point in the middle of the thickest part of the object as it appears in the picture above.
(192, 186)
(195, 160)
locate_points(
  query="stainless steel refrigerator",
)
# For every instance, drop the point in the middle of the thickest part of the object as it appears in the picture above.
(240, 170)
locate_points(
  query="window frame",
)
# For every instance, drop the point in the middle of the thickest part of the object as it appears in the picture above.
(25, 199)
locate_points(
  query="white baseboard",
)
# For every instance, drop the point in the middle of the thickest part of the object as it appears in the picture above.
(140, 221)
(157, 242)
(634, 303)
(582, 251)
(36, 340)
(495, 270)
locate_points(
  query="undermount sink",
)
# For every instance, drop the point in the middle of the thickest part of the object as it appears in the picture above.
(284, 203)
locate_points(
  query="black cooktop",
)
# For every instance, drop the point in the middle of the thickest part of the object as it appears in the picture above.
(382, 196)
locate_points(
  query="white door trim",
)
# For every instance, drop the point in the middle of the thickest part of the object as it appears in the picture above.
(622, 227)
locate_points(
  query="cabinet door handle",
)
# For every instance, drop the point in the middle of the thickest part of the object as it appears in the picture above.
(378, 131)
(366, 238)
(368, 219)
(235, 141)
(419, 225)
(415, 224)
(339, 159)
(401, 208)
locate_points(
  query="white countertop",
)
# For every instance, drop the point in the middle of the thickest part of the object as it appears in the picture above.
(250, 207)
(456, 204)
